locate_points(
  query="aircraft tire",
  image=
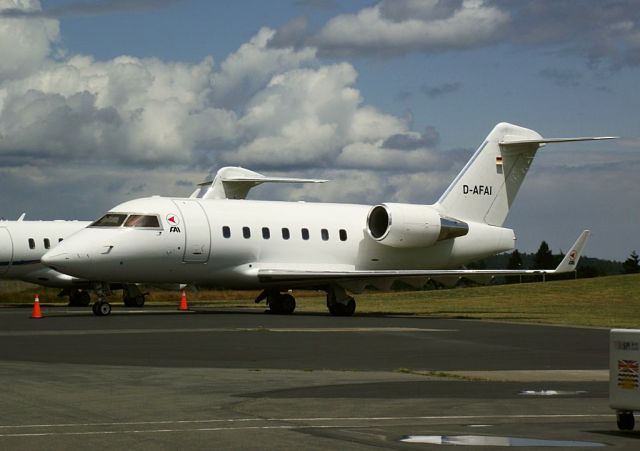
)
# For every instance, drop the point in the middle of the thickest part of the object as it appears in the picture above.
(626, 421)
(338, 309)
(104, 308)
(282, 304)
(134, 301)
(101, 308)
(79, 299)
(84, 298)
(287, 304)
(138, 301)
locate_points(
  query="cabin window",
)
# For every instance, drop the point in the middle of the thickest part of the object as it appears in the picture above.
(285, 233)
(32, 243)
(47, 243)
(325, 234)
(343, 235)
(266, 234)
(110, 220)
(246, 232)
(146, 221)
(226, 232)
(305, 234)
(60, 240)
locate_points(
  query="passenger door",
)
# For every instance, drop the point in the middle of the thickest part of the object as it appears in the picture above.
(197, 231)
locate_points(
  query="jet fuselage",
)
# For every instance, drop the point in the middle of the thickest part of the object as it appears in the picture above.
(225, 242)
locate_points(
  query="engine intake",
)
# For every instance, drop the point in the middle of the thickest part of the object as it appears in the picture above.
(407, 225)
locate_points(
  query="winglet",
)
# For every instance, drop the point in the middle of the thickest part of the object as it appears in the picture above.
(570, 261)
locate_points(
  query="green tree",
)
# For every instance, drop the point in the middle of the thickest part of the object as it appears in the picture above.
(515, 262)
(543, 259)
(632, 264)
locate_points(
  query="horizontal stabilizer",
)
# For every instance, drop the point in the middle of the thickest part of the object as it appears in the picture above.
(235, 182)
(516, 140)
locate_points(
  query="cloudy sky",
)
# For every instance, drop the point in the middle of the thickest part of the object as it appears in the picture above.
(107, 100)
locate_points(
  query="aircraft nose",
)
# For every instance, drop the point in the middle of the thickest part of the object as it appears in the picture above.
(61, 261)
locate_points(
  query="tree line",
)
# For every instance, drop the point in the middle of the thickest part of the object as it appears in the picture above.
(544, 258)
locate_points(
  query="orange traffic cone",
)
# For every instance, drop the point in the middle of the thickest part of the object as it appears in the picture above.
(36, 308)
(183, 301)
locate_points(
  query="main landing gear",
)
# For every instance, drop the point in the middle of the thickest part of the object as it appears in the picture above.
(279, 303)
(339, 303)
(625, 420)
(78, 298)
(132, 296)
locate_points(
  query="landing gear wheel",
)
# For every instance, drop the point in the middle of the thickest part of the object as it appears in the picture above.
(134, 301)
(626, 422)
(339, 303)
(101, 308)
(79, 298)
(287, 304)
(85, 298)
(339, 309)
(282, 304)
(347, 309)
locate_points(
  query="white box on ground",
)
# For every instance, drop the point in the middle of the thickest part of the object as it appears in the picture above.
(624, 375)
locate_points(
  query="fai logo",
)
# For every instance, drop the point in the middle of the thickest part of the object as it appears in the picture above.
(173, 221)
(572, 257)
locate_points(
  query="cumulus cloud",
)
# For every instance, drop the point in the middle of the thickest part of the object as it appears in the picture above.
(263, 107)
(243, 73)
(126, 109)
(24, 44)
(601, 32)
(305, 117)
(397, 27)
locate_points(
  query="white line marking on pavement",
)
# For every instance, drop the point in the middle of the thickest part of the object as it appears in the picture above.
(38, 333)
(266, 420)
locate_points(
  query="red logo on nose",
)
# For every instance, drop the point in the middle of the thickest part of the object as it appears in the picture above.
(172, 219)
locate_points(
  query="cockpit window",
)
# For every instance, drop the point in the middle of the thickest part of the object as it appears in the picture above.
(142, 221)
(110, 220)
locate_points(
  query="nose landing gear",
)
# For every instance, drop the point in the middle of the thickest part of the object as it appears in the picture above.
(101, 307)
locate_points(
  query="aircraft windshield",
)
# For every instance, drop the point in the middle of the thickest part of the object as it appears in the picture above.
(110, 220)
(142, 221)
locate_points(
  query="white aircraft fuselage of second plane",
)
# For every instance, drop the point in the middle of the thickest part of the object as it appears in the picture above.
(22, 245)
(218, 238)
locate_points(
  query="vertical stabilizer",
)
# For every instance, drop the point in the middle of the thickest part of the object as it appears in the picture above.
(486, 187)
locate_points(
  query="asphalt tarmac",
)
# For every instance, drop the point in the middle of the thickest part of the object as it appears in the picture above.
(213, 379)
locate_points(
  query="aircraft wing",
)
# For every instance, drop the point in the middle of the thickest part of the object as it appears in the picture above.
(302, 277)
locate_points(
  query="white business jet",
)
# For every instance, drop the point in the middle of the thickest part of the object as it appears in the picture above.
(23, 243)
(218, 238)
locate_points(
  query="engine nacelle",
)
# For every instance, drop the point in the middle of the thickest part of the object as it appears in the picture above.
(408, 225)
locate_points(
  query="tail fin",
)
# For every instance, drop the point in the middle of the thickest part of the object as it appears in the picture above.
(486, 187)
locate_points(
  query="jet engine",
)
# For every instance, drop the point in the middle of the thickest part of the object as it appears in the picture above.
(407, 225)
